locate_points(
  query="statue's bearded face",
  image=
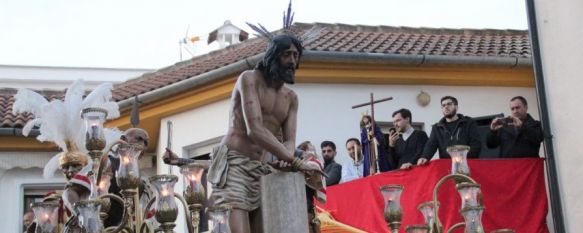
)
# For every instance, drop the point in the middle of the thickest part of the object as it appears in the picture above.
(281, 60)
(285, 68)
(71, 169)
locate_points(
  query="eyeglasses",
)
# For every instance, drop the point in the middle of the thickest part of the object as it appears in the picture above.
(447, 104)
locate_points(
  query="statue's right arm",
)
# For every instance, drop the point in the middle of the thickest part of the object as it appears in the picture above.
(251, 109)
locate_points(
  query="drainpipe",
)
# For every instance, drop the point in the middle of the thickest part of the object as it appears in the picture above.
(416, 60)
(17, 132)
(552, 178)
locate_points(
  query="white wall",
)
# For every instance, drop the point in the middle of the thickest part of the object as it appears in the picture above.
(560, 31)
(326, 113)
(194, 126)
(58, 78)
(11, 194)
(197, 125)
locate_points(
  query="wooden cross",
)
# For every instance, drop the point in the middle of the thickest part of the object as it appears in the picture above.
(372, 150)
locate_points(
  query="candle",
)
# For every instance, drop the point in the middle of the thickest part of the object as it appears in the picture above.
(194, 192)
(393, 211)
(101, 186)
(356, 154)
(457, 165)
(104, 183)
(193, 183)
(164, 192)
(94, 131)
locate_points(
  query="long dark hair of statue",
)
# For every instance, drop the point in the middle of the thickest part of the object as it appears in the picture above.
(270, 66)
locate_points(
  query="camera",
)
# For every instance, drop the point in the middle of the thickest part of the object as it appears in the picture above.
(392, 131)
(507, 120)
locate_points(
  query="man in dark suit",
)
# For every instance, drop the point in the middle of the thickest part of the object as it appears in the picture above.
(405, 143)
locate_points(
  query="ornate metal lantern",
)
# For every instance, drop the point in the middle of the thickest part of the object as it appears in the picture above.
(393, 211)
(459, 163)
(166, 208)
(46, 215)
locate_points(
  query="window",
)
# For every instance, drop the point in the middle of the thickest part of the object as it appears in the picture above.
(483, 123)
(202, 151)
(35, 193)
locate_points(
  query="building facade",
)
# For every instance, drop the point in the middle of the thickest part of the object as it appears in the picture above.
(482, 68)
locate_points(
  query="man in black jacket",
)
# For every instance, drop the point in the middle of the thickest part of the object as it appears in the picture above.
(405, 143)
(452, 129)
(518, 135)
(332, 169)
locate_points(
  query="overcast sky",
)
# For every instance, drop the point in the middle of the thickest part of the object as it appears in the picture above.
(145, 33)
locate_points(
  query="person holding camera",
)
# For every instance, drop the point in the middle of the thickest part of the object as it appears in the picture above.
(518, 135)
(405, 143)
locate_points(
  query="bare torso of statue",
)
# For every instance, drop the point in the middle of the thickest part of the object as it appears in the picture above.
(261, 107)
(259, 112)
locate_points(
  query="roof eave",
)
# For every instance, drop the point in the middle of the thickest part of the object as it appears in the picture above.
(327, 56)
(193, 82)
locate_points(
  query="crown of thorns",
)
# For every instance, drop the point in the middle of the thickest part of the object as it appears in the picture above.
(288, 18)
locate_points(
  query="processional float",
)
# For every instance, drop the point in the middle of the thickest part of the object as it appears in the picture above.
(70, 119)
(469, 190)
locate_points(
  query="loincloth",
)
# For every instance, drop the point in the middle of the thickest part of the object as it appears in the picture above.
(235, 179)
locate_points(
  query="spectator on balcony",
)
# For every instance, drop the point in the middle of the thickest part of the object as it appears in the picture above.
(405, 143)
(452, 129)
(332, 169)
(354, 170)
(518, 135)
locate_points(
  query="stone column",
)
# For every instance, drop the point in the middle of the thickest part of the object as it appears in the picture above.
(283, 202)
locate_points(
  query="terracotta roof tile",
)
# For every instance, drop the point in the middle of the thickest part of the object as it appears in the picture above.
(9, 119)
(338, 38)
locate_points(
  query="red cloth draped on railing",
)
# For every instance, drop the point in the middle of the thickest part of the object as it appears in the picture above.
(513, 190)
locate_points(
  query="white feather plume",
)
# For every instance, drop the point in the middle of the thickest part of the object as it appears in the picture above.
(112, 109)
(73, 105)
(29, 125)
(100, 94)
(60, 121)
(111, 137)
(101, 98)
(54, 125)
(52, 166)
(28, 101)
